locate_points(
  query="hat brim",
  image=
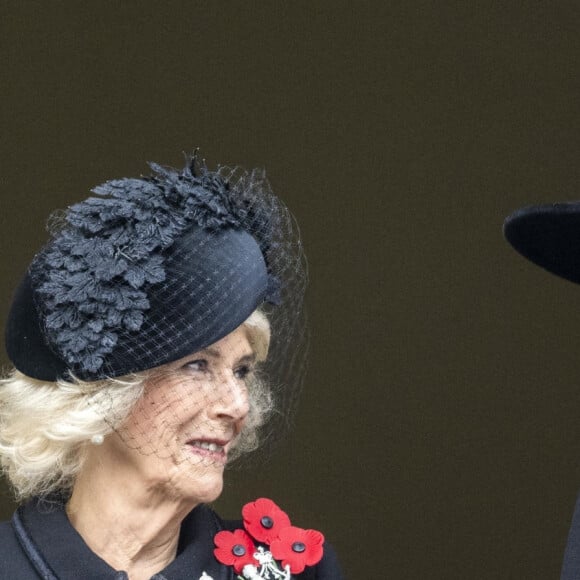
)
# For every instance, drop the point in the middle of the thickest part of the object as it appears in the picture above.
(549, 236)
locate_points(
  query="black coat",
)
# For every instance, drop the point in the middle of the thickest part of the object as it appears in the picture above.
(39, 542)
(571, 566)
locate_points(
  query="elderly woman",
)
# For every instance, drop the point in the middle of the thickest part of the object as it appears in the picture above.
(142, 336)
(549, 236)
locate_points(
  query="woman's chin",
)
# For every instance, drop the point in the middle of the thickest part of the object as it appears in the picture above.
(205, 492)
(201, 487)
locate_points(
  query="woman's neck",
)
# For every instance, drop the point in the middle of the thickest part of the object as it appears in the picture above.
(128, 525)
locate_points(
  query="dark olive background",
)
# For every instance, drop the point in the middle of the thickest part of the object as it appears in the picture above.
(439, 430)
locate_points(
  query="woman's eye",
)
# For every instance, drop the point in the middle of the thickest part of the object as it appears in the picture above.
(199, 365)
(243, 372)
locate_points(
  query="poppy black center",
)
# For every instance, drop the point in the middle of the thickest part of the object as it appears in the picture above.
(238, 550)
(267, 522)
(298, 547)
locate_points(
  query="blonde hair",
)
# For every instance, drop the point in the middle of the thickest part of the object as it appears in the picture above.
(45, 427)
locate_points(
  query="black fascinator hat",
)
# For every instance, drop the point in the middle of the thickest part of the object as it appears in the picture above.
(549, 236)
(155, 268)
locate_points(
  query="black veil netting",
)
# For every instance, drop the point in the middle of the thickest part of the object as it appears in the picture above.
(153, 269)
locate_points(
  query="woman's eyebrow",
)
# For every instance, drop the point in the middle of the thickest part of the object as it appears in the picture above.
(216, 353)
(211, 351)
(248, 358)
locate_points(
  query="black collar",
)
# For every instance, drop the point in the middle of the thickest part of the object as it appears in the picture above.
(50, 541)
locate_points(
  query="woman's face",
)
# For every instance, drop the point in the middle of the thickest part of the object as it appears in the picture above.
(178, 436)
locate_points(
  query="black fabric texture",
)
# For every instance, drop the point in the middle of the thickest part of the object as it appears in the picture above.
(218, 280)
(24, 338)
(47, 530)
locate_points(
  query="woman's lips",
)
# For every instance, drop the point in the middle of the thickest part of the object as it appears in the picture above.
(210, 448)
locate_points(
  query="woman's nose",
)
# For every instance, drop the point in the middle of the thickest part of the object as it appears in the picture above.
(231, 398)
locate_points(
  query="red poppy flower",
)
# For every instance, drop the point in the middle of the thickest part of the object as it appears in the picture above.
(298, 547)
(264, 519)
(234, 549)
